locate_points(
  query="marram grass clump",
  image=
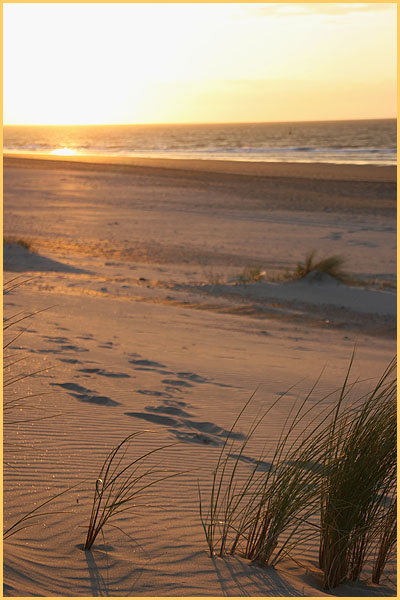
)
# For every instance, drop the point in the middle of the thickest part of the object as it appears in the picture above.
(273, 503)
(331, 479)
(359, 482)
(330, 265)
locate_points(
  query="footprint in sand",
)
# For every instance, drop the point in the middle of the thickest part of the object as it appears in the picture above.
(176, 383)
(85, 395)
(195, 378)
(107, 345)
(147, 363)
(143, 364)
(55, 339)
(72, 361)
(176, 403)
(262, 465)
(44, 350)
(154, 393)
(196, 438)
(168, 410)
(104, 373)
(160, 419)
(192, 377)
(213, 429)
(73, 348)
(154, 370)
(205, 432)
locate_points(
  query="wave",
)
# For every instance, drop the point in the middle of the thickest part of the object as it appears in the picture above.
(381, 156)
(358, 142)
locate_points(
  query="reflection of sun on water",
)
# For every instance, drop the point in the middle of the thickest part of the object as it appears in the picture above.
(64, 152)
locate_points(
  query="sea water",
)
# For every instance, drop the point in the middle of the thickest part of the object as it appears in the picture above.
(341, 142)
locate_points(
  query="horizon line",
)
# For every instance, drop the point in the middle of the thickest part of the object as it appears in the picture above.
(198, 122)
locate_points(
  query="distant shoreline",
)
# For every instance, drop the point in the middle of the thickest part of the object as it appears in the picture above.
(351, 142)
(185, 124)
(320, 171)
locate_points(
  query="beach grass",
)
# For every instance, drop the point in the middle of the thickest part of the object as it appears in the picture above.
(250, 517)
(387, 539)
(19, 241)
(330, 477)
(359, 480)
(120, 484)
(330, 265)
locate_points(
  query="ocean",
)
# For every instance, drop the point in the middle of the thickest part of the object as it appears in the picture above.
(342, 142)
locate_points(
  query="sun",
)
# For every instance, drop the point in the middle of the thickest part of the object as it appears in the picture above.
(64, 152)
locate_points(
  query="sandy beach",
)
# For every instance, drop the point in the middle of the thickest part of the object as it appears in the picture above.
(166, 300)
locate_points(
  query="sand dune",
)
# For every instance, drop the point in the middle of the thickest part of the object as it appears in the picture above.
(147, 327)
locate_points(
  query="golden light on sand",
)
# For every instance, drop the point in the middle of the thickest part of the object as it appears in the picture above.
(64, 152)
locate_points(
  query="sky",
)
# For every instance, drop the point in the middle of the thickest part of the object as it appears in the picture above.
(100, 63)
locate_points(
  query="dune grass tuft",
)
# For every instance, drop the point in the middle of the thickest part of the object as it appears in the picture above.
(331, 477)
(359, 478)
(330, 265)
(251, 516)
(19, 241)
(120, 484)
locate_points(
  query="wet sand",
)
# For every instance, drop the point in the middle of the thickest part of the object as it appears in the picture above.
(279, 186)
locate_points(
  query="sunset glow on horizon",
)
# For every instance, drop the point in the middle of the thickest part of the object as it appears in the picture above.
(198, 63)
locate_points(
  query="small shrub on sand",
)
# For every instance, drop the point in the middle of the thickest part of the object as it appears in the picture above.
(119, 485)
(21, 242)
(331, 265)
(331, 477)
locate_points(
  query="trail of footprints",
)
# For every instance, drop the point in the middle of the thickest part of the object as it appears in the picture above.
(171, 410)
(173, 413)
